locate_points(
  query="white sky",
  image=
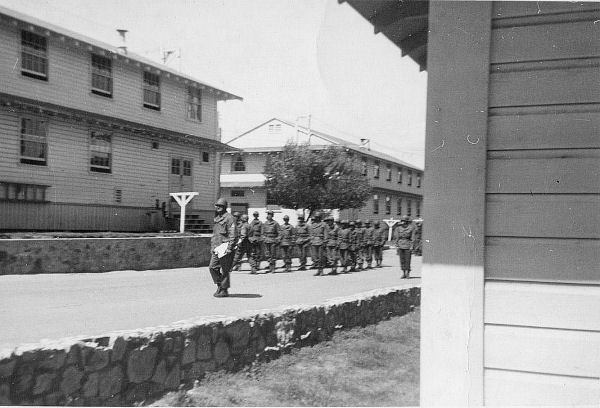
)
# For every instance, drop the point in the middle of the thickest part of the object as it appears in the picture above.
(284, 57)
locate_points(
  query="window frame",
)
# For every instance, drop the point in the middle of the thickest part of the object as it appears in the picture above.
(409, 208)
(238, 193)
(364, 167)
(98, 168)
(177, 166)
(205, 157)
(376, 204)
(193, 104)
(419, 180)
(30, 160)
(388, 205)
(149, 87)
(409, 176)
(33, 53)
(186, 167)
(389, 173)
(377, 168)
(400, 171)
(234, 164)
(5, 192)
(98, 72)
(399, 210)
(418, 209)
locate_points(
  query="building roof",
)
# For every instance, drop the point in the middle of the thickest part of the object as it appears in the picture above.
(17, 18)
(242, 180)
(403, 22)
(333, 140)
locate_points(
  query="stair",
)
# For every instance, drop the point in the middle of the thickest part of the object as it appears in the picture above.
(194, 224)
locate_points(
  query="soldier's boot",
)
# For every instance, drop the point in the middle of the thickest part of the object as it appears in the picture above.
(333, 271)
(272, 268)
(253, 271)
(408, 274)
(319, 272)
(288, 267)
(236, 267)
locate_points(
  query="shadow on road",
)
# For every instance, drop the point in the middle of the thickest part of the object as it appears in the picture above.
(244, 295)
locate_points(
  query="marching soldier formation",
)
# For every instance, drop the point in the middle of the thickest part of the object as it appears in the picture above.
(350, 245)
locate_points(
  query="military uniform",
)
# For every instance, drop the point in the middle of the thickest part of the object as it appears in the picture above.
(360, 244)
(368, 243)
(317, 240)
(404, 235)
(418, 243)
(302, 241)
(243, 246)
(352, 247)
(270, 231)
(332, 241)
(286, 243)
(255, 240)
(379, 238)
(224, 231)
(344, 236)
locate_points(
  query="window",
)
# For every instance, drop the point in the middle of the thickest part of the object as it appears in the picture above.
(155, 145)
(389, 173)
(102, 76)
(375, 204)
(34, 55)
(418, 205)
(187, 167)
(175, 166)
(151, 91)
(418, 180)
(237, 193)
(399, 175)
(388, 205)
(238, 163)
(399, 210)
(194, 104)
(270, 199)
(34, 146)
(409, 178)
(409, 207)
(275, 128)
(205, 157)
(376, 170)
(364, 167)
(23, 192)
(100, 151)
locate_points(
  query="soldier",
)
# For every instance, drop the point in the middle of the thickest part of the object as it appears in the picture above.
(243, 246)
(255, 239)
(352, 247)
(317, 240)
(302, 241)
(286, 242)
(404, 236)
(379, 238)
(332, 238)
(224, 231)
(368, 240)
(271, 239)
(344, 244)
(360, 244)
(418, 244)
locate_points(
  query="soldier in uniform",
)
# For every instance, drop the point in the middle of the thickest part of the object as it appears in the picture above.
(332, 238)
(286, 242)
(302, 241)
(404, 236)
(317, 240)
(224, 231)
(352, 247)
(418, 244)
(271, 239)
(344, 244)
(360, 244)
(243, 245)
(255, 239)
(368, 241)
(379, 238)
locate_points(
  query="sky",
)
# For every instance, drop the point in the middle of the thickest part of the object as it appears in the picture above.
(286, 58)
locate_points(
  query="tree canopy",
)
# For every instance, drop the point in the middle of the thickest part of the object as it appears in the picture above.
(301, 177)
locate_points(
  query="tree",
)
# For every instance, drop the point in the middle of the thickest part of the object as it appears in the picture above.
(307, 178)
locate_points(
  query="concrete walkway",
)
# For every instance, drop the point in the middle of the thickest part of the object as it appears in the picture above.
(53, 306)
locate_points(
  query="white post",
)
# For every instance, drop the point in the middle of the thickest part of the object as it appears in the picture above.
(390, 223)
(183, 199)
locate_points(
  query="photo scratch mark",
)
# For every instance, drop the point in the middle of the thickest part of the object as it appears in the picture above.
(16, 62)
(472, 142)
(440, 146)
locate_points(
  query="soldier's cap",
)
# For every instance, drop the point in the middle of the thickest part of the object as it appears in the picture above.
(344, 222)
(367, 222)
(270, 212)
(358, 221)
(330, 218)
(286, 217)
(405, 218)
(255, 213)
(351, 223)
(236, 214)
(221, 202)
(300, 217)
(244, 217)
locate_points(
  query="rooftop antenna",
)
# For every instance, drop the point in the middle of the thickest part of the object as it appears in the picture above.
(166, 54)
(122, 33)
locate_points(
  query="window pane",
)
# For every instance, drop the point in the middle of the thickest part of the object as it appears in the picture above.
(33, 141)
(33, 55)
(100, 152)
(175, 166)
(187, 168)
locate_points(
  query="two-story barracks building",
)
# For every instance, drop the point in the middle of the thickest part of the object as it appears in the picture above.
(93, 137)
(396, 185)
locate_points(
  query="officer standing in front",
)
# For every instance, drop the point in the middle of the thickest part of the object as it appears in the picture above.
(286, 241)
(404, 236)
(302, 241)
(224, 231)
(317, 240)
(271, 240)
(255, 239)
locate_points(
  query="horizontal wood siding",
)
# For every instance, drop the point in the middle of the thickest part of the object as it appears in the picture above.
(69, 84)
(542, 262)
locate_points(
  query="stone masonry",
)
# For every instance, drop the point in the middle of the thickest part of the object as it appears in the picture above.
(124, 368)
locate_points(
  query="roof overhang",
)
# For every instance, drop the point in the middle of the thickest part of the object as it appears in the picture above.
(242, 180)
(403, 22)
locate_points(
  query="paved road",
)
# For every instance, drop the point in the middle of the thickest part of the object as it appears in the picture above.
(54, 306)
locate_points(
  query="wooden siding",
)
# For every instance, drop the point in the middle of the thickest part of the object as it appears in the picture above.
(69, 84)
(542, 262)
(141, 172)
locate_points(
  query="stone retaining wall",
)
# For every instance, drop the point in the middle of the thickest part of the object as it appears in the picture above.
(124, 368)
(73, 255)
